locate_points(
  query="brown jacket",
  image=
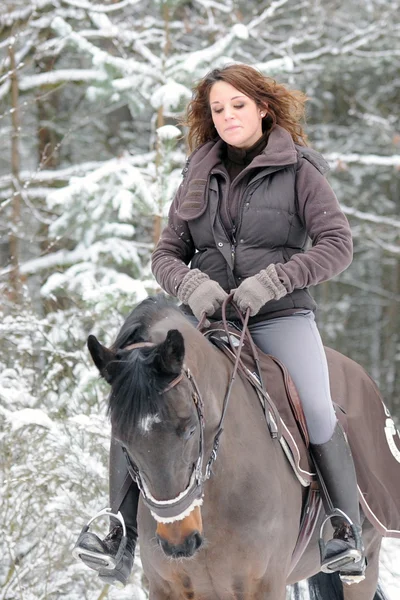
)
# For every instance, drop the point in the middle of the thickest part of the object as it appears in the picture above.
(281, 199)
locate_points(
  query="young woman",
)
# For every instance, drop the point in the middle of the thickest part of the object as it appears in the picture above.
(252, 196)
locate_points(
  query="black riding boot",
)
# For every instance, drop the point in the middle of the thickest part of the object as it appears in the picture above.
(101, 555)
(345, 552)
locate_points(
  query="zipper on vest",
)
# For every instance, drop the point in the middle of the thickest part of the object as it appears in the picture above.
(231, 235)
(233, 245)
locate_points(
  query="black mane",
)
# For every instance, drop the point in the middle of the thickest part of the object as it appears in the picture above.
(136, 391)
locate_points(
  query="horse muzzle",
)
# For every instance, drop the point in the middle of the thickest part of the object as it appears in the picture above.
(185, 550)
(181, 539)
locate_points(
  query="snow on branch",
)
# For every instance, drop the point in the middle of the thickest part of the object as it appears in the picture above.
(19, 57)
(371, 218)
(28, 416)
(368, 287)
(12, 17)
(336, 158)
(207, 4)
(267, 13)
(192, 61)
(100, 58)
(60, 76)
(337, 50)
(5, 88)
(377, 53)
(170, 96)
(391, 248)
(59, 175)
(142, 49)
(276, 65)
(50, 175)
(62, 258)
(113, 33)
(100, 8)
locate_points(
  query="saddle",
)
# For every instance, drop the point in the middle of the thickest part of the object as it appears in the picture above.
(362, 414)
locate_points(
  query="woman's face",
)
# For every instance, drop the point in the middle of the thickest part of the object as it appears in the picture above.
(237, 118)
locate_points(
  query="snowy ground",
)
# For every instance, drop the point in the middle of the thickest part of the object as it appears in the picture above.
(390, 568)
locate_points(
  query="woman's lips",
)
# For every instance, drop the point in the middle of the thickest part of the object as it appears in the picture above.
(232, 128)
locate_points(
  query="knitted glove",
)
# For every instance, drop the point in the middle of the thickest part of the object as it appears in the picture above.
(259, 289)
(201, 293)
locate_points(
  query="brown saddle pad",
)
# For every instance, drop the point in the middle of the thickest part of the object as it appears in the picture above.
(373, 438)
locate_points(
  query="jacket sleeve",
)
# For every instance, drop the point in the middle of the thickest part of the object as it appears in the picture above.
(327, 226)
(174, 251)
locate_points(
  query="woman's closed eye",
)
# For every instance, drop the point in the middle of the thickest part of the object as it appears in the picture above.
(219, 110)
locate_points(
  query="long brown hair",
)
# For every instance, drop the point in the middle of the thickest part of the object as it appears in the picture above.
(285, 107)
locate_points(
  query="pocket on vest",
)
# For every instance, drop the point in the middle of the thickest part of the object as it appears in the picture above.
(194, 201)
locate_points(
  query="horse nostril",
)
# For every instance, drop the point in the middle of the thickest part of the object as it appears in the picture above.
(198, 540)
(193, 543)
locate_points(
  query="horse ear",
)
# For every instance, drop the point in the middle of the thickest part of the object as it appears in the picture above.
(170, 353)
(104, 359)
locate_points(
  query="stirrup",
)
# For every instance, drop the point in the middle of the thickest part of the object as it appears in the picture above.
(348, 558)
(99, 560)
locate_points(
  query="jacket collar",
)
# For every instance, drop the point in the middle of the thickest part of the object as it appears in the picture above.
(280, 151)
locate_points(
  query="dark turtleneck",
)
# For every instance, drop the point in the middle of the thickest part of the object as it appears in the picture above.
(236, 159)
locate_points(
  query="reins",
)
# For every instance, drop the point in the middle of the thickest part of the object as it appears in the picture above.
(238, 361)
(273, 420)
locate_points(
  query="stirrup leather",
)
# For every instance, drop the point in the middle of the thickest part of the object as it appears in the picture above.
(344, 561)
(101, 560)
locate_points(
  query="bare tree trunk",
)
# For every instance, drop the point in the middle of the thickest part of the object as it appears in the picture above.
(13, 238)
(47, 108)
(391, 342)
(157, 223)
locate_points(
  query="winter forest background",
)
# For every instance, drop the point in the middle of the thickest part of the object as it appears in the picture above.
(90, 158)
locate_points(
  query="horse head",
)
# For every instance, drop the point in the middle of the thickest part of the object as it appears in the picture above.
(155, 416)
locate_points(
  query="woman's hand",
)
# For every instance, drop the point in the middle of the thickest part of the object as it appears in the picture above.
(259, 289)
(201, 293)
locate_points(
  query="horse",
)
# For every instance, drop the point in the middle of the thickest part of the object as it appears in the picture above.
(220, 508)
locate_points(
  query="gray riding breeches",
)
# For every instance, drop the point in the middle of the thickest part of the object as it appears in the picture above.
(296, 342)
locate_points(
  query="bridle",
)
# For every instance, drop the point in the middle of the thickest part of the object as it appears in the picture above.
(176, 509)
(166, 511)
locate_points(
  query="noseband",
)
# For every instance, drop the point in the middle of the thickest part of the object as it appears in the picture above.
(176, 509)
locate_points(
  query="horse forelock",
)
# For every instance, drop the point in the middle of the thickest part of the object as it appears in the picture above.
(136, 394)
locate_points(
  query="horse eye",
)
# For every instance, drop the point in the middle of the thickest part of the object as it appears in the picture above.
(189, 432)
